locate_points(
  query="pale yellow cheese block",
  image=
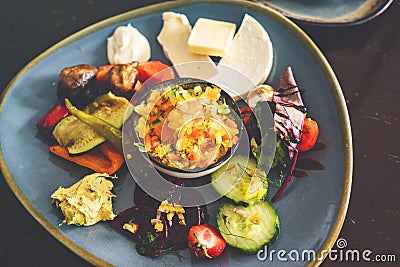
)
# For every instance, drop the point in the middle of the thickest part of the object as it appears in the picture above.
(211, 37)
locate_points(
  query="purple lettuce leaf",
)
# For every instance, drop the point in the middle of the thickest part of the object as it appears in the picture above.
(288, 121)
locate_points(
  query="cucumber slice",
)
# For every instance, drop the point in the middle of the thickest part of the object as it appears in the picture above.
(77, 137)
(240, 180)
(248, 228)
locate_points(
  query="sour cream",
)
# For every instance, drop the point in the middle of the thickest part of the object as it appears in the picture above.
(126, 45)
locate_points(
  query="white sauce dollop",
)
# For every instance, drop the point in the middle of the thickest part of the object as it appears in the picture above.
(126, 45)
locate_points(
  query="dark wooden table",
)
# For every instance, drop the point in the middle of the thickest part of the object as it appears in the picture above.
(365, 58)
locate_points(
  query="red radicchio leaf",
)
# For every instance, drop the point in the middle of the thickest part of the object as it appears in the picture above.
(288, 120)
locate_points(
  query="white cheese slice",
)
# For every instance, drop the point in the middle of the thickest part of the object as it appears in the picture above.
(173, 38)
(211, 37)
(251, 52)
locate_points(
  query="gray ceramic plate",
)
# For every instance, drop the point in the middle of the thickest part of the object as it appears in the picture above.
(329, 12)
(312, 210)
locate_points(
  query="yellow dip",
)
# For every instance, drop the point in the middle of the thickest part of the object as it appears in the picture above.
(86, 202)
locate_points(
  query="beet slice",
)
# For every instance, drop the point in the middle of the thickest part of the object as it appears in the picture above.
(148, 241)
(177, 234)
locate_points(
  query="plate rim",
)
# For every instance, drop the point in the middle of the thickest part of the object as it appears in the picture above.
(303, 38)
(356, 20)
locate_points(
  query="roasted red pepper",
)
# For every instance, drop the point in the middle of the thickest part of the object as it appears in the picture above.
(46, 124)
(102, 159)
(150, 68)
(102, 73)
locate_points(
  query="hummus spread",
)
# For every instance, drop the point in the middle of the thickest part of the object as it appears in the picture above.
(86, 202)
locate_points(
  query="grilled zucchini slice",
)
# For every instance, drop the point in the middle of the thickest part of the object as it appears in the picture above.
(78, 137)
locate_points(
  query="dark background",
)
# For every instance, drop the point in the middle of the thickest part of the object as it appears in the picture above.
(365, 58)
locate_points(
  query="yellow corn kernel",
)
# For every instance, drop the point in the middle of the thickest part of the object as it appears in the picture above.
(159, 227)
(131, 227)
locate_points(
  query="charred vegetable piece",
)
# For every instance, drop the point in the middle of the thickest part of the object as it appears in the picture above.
(104, 158)
(248, 228)
(78, 137)
(100, 126)
(309, 136)
(77, 83)
(47, 123)
(121, 79)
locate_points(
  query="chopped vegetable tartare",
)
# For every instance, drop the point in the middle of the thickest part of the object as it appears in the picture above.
(187, 128)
